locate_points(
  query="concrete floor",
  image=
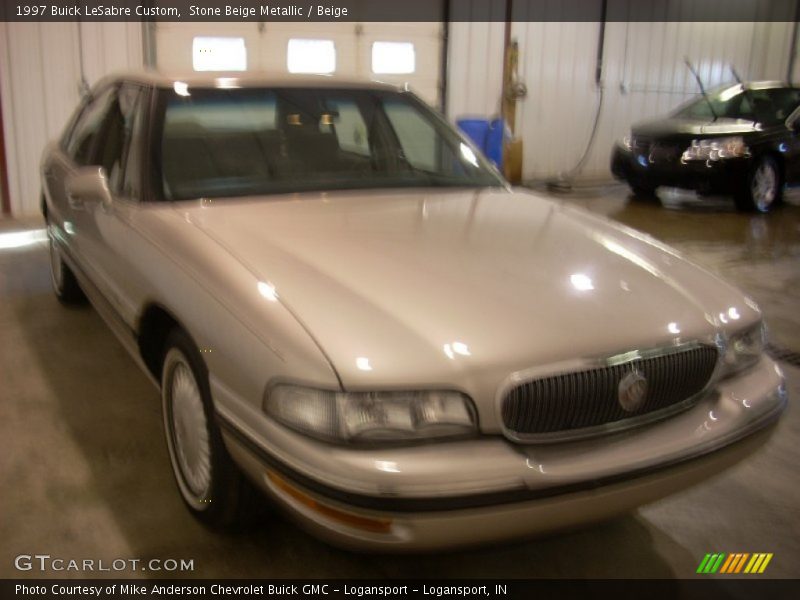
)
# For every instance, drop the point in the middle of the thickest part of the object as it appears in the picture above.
(85, 471)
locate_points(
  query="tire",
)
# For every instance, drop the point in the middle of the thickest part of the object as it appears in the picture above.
(764, 187)
(65, 285)
(643, 192)
(209, 483)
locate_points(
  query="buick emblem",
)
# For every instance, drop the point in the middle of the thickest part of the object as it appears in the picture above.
(632, 391)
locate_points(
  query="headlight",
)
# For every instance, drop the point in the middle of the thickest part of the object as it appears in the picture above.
(744, 348)
(627, 142)
(372, 416)
(716, 149)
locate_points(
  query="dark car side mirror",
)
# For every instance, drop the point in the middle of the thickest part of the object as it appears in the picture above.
(793, 120)
(88, 184)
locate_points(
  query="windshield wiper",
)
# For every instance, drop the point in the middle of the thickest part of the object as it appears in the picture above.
(702, 87)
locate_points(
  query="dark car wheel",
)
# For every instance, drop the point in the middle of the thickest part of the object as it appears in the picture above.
(65, 285)
(764, 187)
(643, 192)
(209, 483)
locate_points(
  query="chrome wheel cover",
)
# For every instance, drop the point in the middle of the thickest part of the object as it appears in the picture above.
(187, 430)
(764, 186)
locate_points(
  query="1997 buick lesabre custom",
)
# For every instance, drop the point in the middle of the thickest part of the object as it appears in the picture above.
(340, 299)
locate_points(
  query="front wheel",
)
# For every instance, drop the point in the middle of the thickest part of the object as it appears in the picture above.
(764, 187)
(208, 481)
(65, 285)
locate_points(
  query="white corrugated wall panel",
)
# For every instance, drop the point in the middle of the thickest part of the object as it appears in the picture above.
(110, 48)
(474, 69)
(39, 80)
(267, 47)
(644, 76)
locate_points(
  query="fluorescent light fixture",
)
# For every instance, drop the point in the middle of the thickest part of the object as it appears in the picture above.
(219, 54)
(311, 56)
(393, 58)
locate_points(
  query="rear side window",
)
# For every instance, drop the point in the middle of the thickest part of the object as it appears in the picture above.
(82, 143)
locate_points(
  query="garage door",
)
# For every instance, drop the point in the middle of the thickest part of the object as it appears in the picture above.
(401, 53)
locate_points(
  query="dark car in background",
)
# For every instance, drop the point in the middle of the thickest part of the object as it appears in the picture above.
(741, 140)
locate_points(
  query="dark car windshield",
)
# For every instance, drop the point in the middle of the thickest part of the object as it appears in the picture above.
(767, 106)
(235, 142)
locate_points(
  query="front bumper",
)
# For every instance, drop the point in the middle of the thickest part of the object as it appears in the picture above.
(484, 490)
(719, 177)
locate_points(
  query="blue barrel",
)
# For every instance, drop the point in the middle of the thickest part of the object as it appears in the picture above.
(476, 130)
(495, 139)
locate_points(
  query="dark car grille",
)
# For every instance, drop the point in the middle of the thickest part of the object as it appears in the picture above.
(658, 152)
(586, 399)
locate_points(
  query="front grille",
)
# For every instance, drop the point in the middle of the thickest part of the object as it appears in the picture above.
(657, 152)
(583, 400)
(664, 153)
(641, 144)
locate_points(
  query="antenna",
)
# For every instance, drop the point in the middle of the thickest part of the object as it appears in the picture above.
(702, 87)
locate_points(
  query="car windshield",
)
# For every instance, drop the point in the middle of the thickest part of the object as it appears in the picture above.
(769, 106)
(235, 142)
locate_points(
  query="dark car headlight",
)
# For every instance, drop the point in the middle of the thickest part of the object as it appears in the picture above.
(372, 416)
(714, 149)
(744, 348)
(627, 142)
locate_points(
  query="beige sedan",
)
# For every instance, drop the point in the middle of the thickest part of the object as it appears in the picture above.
(344, 305)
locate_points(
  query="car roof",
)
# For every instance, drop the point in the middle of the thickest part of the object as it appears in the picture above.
(755, 85)
(766, 85)
(245, 79)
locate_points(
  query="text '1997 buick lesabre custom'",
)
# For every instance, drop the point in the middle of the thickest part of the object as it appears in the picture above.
(345, 304)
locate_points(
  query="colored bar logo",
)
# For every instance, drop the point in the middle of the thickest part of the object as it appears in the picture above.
(734, 563)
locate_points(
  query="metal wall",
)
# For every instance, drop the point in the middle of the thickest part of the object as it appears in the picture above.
(40, 74)
(266, 47)
(475, 47)
(643, 76)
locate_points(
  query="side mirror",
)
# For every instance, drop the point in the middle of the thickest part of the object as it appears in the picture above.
(88, 184)
(793, 121)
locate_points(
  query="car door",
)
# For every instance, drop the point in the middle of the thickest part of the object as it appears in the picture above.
(790, 147)
(109, 238)
(784, 112)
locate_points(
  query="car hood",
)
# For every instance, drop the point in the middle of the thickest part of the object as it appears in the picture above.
(680, 128)
(461, 288)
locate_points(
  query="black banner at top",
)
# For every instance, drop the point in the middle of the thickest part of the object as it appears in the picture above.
(398, 10)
